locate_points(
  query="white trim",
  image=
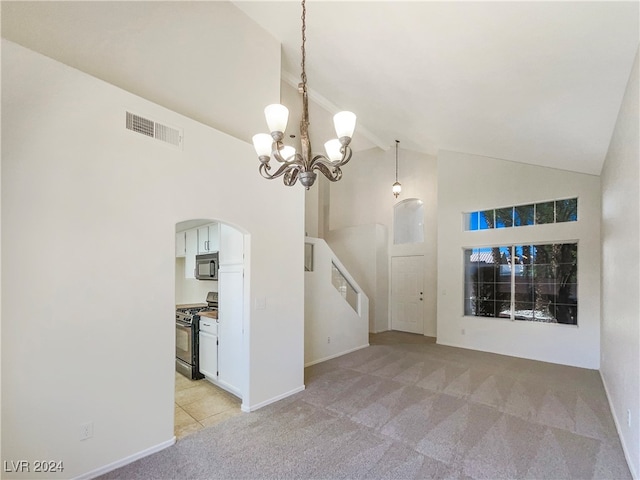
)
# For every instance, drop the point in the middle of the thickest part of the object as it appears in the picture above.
(225, 386)
(627, 455)
(335, 355)
(512, 355)
(253, 408)
(126, 461)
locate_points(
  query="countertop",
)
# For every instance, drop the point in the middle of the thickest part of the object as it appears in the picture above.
(191, 305)
(210, 314)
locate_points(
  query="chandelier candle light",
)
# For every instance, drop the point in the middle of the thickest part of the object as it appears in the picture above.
(396, 188)
(295, 165)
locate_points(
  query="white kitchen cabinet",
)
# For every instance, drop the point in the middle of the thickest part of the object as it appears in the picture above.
(231, 246)
(208, 348)
(209, 238)
(191, 249)
(230, 330)
(181, 244)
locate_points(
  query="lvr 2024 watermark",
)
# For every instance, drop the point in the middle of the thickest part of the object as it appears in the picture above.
(39, 466)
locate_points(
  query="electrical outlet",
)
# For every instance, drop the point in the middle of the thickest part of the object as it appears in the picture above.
(328, 339)
(628, 418)
(86, 430)
(463, 331)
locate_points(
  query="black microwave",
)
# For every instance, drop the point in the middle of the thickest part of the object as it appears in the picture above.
(207, 266)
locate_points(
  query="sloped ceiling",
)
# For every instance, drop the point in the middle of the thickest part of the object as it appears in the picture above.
(175, 54)
(534, 82)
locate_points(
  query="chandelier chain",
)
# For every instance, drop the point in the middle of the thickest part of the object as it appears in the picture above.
(303, 76)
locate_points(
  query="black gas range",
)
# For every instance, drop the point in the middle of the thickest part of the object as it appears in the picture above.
(187, 329)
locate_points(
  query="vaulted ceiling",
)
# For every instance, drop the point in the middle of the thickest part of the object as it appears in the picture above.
(535, 82)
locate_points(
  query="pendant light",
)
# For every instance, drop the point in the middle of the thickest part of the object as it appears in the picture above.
(396, 188)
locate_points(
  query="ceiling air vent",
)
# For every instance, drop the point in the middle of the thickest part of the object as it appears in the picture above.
(164, 133)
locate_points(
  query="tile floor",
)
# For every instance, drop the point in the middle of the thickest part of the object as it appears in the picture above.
(200, 404)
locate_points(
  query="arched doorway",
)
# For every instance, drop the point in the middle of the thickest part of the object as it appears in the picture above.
(209, 324)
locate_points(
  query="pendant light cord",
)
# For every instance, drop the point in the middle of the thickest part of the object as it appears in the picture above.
(397, 142)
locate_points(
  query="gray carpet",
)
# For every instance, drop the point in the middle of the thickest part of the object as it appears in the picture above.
(412, 411)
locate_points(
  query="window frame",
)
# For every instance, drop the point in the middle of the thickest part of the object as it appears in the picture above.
(512, 246)
(477, 216)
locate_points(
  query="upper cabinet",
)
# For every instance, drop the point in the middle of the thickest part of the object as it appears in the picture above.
(231, 246)
(209, 238)
(215, 237)
(191, 241)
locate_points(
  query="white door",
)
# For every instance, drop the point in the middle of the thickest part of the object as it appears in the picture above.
(208, 351)
(407, 294)
(203, 240)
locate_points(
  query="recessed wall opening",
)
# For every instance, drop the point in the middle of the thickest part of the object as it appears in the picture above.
(210, 361)
(408, 221)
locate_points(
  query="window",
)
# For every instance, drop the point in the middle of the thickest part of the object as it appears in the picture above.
(523, 215)
(554, 211)
(408, 221)
(523, 282)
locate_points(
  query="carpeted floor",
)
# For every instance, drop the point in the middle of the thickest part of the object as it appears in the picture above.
(412, 410)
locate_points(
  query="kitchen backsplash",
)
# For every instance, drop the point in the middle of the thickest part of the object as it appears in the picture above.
(190, 290)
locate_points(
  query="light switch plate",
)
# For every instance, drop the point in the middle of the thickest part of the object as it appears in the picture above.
(261, 303)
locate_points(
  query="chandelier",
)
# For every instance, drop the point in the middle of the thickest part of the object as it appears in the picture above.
(396, 187)
(292, 165)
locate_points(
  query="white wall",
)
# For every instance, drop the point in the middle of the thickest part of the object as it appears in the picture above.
(468, 183)
(88, 255)
(364, 197)
(316, 215)
(620, 359)
(332, 326)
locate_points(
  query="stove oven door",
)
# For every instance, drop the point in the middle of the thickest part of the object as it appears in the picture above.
(184, 349)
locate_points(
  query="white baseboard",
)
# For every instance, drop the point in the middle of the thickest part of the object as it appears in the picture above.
(627, 457)
(125, 461)
(225, 386)
(313, 362)
(253, 408)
